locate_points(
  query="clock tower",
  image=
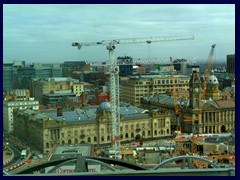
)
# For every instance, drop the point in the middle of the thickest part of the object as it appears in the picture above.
(195, 91)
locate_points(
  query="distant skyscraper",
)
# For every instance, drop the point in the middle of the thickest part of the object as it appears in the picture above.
(7, 76)
(10, 74)
(37, 70)
(231, 63)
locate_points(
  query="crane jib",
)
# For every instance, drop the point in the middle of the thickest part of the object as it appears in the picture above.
(148, 40)
(114, 80)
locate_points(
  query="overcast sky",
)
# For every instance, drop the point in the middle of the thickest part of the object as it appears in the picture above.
(44, 33)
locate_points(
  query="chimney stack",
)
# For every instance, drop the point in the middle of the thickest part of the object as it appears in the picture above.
(83, 98)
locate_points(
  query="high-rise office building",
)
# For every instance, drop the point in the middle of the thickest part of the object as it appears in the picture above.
(231, 63)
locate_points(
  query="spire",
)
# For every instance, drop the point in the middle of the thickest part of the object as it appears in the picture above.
(195, 78)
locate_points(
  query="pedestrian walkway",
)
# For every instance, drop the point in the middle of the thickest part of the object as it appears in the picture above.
(7, 156)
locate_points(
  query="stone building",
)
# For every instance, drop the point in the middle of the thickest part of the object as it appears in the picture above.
(216, 113)
(42, 130)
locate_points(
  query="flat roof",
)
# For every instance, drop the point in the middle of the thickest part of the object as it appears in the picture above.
(69, 151)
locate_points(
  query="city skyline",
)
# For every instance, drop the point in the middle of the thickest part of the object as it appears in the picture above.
(44, 33)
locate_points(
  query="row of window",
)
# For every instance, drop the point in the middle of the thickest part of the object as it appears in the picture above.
(108, 138)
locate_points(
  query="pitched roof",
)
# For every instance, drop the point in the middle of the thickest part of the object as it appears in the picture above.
(195, 78)
(226, 103)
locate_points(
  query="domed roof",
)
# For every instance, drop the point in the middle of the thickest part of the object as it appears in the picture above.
(212, 80)
(105, 105)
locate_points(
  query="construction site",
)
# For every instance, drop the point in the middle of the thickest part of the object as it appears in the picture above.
(202, 137)
(219, 148)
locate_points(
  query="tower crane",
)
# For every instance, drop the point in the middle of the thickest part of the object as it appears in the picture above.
(114, 69)
(176, 108)
(207, 74)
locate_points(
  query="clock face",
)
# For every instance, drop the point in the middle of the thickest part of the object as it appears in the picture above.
(196, 89)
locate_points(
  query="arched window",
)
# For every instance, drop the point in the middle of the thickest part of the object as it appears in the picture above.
(76, 141)
(155, 132)
(69, 141)
(63, 142)
(47, 145)
(89, 139)
(149, 133)
(108, 138)
(95, 139)
(132, 135)
(102, 138)
(126, 135)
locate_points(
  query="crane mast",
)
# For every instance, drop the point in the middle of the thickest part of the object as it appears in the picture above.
(174, 91)
(207, 74)
(208, 71)
(114, 74)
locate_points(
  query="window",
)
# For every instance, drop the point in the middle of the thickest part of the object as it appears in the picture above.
(132, 135)
(75, 132)
(89, 139)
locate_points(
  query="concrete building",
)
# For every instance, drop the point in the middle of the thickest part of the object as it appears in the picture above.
(56, 96)
(74, 150)
(17, 94)
(69, 66)
(92, 126)
(40, 86)
(184, 68)
(9, 106)
(137, 87)
(126, 66)
(231, 63)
